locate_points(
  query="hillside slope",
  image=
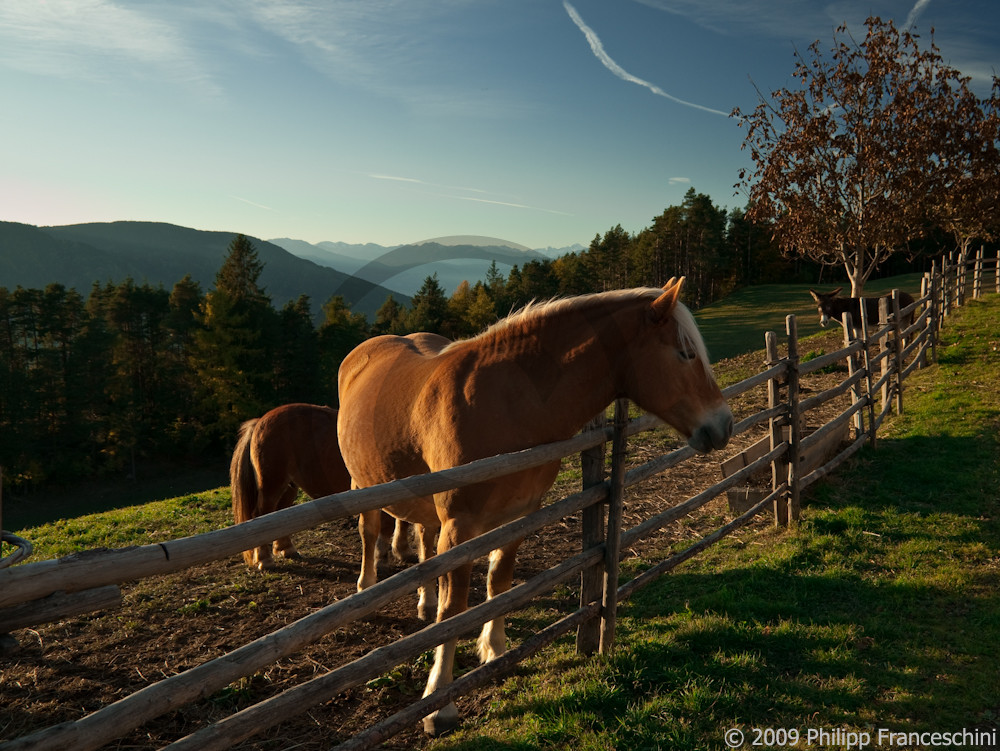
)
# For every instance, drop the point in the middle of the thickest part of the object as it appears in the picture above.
(81, 255)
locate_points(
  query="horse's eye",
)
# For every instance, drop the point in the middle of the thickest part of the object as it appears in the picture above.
(687, 354)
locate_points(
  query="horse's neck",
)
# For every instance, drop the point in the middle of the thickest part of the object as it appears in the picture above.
(573, 362)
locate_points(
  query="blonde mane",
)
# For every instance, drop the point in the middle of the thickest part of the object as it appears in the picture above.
(689, 337)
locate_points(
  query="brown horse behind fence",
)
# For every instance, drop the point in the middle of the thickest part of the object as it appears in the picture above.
(832, 307)
(292, 447)
(420, 403)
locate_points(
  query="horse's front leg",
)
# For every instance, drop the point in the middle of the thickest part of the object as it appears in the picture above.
(368, 527)
(427, 598)
(453, 599)
(493, 639)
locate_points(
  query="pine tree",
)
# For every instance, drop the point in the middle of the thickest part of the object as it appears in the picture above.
(430, 308)
(236, 345)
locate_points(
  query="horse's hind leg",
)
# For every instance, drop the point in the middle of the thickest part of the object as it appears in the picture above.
(493, 639)
(262, 558)
(387, 523)
(284, 546)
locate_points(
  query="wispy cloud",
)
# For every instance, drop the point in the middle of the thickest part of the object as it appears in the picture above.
(679, 181)
(99, 40)
(598, 49)
(435, 186)
(915, 12)
(252, 203)
(511, 205)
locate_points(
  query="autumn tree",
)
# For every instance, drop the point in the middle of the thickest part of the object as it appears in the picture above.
(965, 166)
(841, 164)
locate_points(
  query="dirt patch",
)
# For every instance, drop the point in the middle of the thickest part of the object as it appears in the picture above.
(168, 624)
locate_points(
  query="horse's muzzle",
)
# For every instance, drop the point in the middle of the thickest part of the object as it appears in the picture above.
(714, 433)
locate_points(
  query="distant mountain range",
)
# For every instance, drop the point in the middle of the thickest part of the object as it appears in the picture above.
(405, 267)
(81, 254)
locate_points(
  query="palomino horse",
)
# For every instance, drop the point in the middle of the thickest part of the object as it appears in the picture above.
(832, 308)
(419, 403)
(293, 446)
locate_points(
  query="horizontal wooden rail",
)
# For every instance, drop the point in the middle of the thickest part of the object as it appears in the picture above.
(100, 567)
(840, 389)
(831, 358)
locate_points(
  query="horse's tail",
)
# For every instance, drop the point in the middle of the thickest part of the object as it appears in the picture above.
(243, 481)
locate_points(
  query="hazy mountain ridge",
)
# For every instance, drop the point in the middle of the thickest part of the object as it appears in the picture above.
(80, 255)
(454, 259)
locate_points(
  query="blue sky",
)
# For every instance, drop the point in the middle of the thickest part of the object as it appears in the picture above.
(542, 122)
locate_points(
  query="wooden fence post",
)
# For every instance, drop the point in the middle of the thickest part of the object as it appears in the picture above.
(977, 274)
(794, 423)
(779, 468)
(588, 634)
(946, 268)
(883, 321)
(866, 363)
(996, 273)
(609, 609)
(852, 367)
(897, 350)
(925, 294)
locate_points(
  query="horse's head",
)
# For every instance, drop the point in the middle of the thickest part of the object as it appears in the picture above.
(671, 376)
(825, 306)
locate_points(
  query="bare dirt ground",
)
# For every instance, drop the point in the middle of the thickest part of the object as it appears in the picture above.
(65, 670)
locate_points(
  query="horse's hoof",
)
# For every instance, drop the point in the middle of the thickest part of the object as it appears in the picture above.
(291, 555)
(266, 565)
(441, 722)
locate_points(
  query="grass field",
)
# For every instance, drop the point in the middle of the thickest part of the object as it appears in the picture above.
(879, 612)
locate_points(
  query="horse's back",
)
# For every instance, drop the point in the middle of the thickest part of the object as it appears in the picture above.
(300, 442)
(380, 381)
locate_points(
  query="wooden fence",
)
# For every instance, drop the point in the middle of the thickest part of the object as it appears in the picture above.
(877, 365)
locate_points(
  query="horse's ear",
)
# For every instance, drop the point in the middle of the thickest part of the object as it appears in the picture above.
(814, 295)
(836, 292)
(664, 304)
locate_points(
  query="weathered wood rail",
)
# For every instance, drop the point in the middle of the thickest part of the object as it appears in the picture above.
(877, 365)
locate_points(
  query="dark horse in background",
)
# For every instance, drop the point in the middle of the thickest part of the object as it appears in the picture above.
(831, 307)
(293, 447)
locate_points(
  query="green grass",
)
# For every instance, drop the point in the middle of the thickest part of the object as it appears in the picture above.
(132, 525)
(878, 611)
(737, 324)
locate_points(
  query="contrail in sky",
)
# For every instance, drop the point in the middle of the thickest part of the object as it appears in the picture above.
(915, 13)
(598, 49)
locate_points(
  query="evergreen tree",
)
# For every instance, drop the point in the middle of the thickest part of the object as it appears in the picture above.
(430, 308)
(235, 346)
(390, 318)
(296, 367)
(340, 332)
